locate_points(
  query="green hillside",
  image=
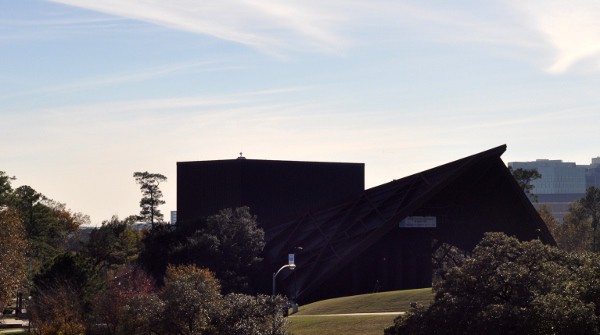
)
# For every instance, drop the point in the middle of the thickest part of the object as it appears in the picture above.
(317, 318)
(394, 301)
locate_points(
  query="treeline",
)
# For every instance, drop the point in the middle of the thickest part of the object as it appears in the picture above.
(193, 278)
(33, 231)
(579, 229)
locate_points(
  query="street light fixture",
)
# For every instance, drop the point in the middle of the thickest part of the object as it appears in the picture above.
(291, 266)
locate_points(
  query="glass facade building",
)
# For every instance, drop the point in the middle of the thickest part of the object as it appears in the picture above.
(561, 183)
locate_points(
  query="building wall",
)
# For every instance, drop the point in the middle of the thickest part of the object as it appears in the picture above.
(558, 177)
(274, 190)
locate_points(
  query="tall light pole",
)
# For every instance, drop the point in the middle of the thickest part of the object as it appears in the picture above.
(291, 266)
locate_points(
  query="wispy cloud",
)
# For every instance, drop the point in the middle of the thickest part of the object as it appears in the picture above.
(570, 27)
(116, 79)
(264, 24)
(58, 25)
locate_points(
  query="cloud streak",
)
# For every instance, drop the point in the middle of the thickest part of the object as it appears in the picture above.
(566, 29)
(117, 79)
(569, 27)
(263, 24)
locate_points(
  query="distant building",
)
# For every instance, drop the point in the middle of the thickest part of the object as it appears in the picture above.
(592, 175)
(562, 183)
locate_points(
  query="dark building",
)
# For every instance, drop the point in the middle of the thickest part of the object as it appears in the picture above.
(274, 190)
(354, 240)
(383, 239)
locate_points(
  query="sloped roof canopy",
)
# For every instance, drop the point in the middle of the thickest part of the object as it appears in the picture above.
(468, 197)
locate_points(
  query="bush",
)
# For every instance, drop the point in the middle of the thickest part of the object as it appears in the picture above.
(512, 287)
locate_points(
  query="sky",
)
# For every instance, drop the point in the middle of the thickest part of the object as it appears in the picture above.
(93, 91)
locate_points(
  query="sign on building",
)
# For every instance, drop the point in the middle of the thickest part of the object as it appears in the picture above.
(419, 222)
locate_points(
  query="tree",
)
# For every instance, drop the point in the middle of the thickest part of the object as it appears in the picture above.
(73, 271)
(24, 199)
(57, 311)
(512, 287)
(575, 233)
(151, 196)
(5, 188)
(114, 244)
(546, 214)
(142, 315)
(192, 297)
(445, 257)
(158, 243)
(13, 246)
(252, 315)
(48, 223)
(190, 303)
(579, 230)
(590, 204)
(524, 177)
(228, 243)
(123, 286)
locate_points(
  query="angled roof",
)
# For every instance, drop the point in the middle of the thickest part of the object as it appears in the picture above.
(333, 236)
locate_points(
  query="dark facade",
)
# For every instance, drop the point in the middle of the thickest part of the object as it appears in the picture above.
(359, 247)
(351, 239)
(274, 190)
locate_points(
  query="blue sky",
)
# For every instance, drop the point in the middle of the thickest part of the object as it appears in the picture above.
(91, 91)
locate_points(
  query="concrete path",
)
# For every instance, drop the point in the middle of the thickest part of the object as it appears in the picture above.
(16, 324)
(351, 314)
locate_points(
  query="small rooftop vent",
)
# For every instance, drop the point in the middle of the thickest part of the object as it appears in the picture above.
(241, 156)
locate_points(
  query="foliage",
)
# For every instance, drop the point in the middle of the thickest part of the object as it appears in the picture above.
(524, 177)
(157, 244)
(590, 206)
(546, 215)
(579, 230)
(123, 286)
(512, 287)
(575, 233)
(142, 315)
(228, 243)
(57, 311)
(47, 223)
(5, 188)
(114, 244)
(73, 271)
(13, 246)
(192, 297)
(190, 304)
(151, 196)
(444, 258)
(251, 315)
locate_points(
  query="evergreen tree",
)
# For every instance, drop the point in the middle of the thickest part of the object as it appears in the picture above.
(151, 196)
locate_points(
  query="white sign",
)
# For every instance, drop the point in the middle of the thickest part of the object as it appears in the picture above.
(419, 222)
(291, 259)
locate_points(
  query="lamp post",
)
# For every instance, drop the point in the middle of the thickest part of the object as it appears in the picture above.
(292, 266)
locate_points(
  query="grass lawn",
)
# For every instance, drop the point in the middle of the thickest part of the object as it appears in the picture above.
(395, 301)
(324, 325)
(312, 319)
